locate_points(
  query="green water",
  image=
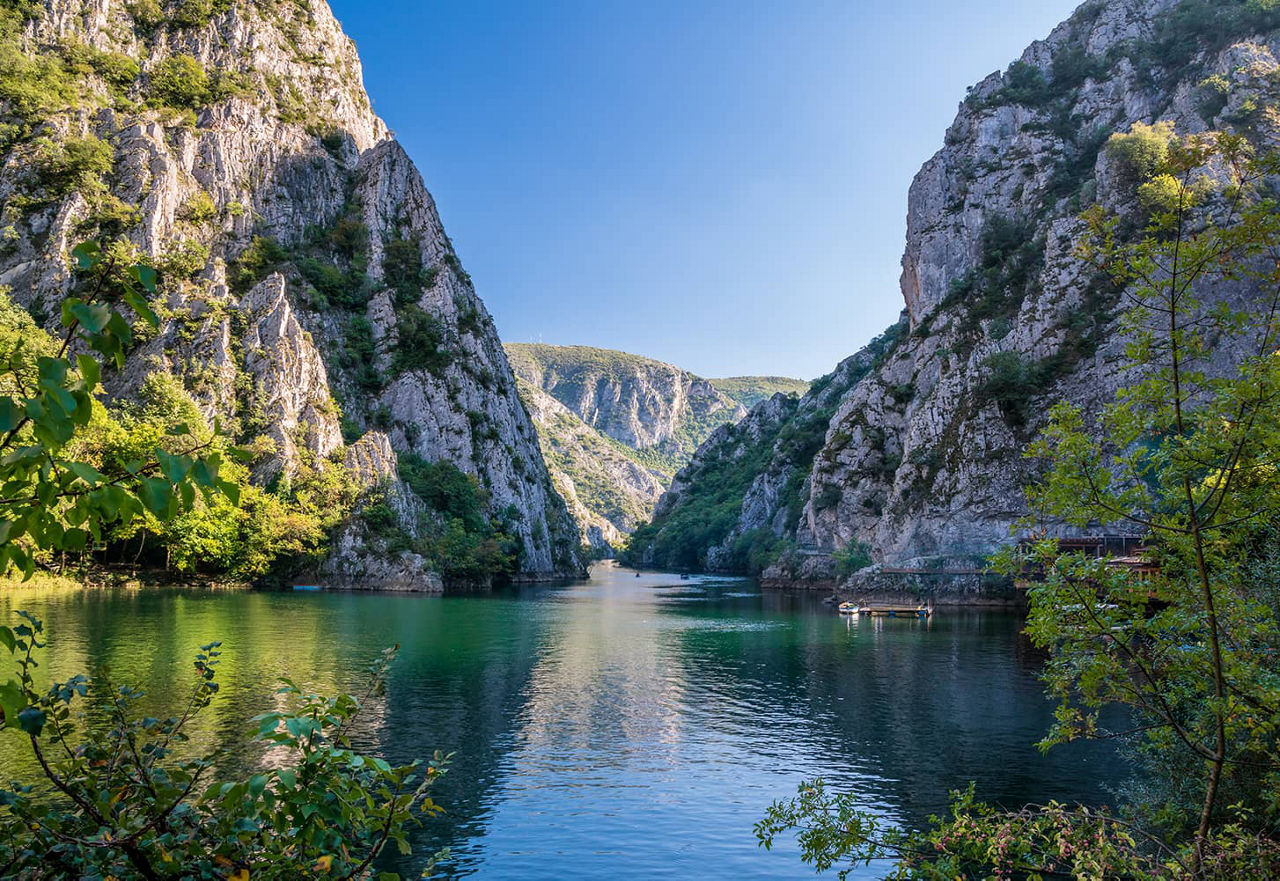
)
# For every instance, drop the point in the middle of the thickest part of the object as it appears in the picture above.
(620, 728)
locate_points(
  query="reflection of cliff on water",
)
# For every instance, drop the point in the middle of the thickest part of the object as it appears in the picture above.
(454, 687)
(923, 707)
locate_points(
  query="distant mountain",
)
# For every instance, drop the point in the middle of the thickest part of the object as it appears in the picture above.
(615, 428)
(751, 390)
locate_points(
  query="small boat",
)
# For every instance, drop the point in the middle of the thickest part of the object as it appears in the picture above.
(849, 609)
(306, 587)
(684, 576)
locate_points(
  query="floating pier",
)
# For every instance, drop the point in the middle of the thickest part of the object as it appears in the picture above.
(887, 610)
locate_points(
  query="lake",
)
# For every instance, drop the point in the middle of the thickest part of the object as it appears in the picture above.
(621, 727)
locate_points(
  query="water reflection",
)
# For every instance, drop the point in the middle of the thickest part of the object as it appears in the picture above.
(626, 727)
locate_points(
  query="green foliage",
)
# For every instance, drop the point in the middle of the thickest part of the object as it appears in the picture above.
(183, 261)
(54, 498)
(359, 354)
(456, 534)
(260, 533)
(119, 71)
(33, 86)
(256, 262)
(708, 507)
(402, 269)
(751, 390)
(147, 15)
(852, 558)
(420, 342)
(198, 13)
(198, 209)
(1186, 455)
(1009, 264)
(77, 164)
(131, 800)
(179, 81)
(1214, 94)
(976, 840)
(447, 489)
(1013, 382)
(1143, 149)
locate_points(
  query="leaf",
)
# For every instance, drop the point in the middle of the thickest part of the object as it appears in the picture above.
(6, 638)
(94, 317)
(90, 371)
(86, 254)
(230, 490)
(139, 304)
(156, 494)
(12, 701)
(145, 276)
(10, 414)
(31, 720)
(85, 472)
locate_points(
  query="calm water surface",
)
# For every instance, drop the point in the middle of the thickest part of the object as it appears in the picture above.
(622, 728)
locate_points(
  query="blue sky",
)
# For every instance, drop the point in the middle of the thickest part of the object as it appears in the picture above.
(721, 185)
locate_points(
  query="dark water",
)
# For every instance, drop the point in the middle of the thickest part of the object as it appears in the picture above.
(622, 728)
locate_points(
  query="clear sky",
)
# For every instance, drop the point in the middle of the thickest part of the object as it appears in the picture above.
(721, 184)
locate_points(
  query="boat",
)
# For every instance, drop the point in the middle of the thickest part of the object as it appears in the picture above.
(306, 587)
(849, 608)
(684, 576)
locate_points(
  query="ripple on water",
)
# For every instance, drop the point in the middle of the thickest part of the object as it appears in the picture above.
(623, 728)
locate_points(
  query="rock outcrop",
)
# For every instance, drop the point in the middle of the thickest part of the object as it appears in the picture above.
(310, 290)
(615, 428)
(921, 457)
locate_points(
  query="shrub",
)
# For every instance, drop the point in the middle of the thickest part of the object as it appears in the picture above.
(184, 260)
(1214, 92)
(179, 81)
(198, 209)
(359, 354)
(1013, 382)
(402, 269)
(132, 804)
(198, 13)
(255, 263)
(419, 342)
(852, 558)
(1143, 149)
(147, 15)
(76, 164)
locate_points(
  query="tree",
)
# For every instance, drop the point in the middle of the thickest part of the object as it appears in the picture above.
(1187, 454)
(52, 499)
(127, 796)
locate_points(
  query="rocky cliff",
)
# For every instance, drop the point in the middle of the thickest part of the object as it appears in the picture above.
(920, 457)
(310, 292)
(616, 427)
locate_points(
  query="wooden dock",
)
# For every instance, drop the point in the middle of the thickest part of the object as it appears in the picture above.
(887, 610)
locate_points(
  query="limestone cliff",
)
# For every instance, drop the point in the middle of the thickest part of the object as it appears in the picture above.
(310, 292)
(614, 429)
(921, 456)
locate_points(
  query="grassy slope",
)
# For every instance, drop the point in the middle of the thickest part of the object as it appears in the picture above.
(751, 390)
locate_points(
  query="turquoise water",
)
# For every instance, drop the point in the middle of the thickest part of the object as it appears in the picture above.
(620, 728)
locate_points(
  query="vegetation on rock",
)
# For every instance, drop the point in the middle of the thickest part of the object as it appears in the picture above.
(1185, 455)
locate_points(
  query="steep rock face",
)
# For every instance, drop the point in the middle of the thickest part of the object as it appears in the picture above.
(614, 428)
(305, 270)
(922, 456)
(607, 491)
(637, 401)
